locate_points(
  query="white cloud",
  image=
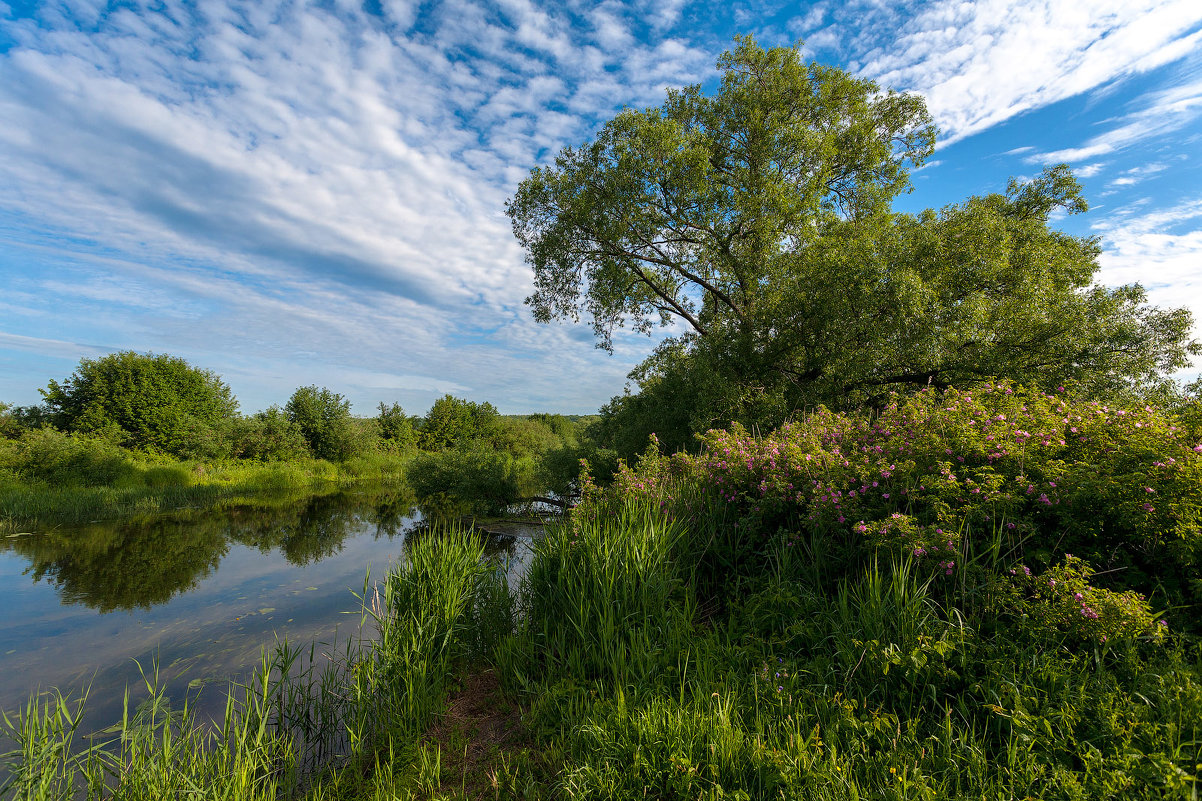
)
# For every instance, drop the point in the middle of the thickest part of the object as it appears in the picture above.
(981, 63)
(1162, 250)
(257, 184)
(1136, 175)
(50, 347)
(1164, 112)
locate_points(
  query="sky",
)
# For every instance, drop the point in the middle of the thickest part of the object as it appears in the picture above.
(291, 193)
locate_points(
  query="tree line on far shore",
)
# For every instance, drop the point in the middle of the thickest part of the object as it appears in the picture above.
(160, 407)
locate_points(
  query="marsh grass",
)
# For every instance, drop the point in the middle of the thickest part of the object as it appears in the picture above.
(320, 722)
(806, 670)
(822, 674)
(149, 488)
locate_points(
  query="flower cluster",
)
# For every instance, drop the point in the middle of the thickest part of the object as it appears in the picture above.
(940, 474)
(960, 462)
(929, 545)
(1062, 599)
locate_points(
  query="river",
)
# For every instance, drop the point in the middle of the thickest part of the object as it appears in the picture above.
(199, 593)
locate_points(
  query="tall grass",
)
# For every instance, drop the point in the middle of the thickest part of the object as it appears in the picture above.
(598, 591)
(821, 674)
(302, 725)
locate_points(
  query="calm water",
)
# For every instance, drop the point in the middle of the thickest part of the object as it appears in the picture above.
(198, 593)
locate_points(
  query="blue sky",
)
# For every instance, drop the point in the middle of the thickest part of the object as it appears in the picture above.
(293, 193)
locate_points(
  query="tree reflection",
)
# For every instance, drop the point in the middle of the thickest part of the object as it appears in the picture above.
(143, 562)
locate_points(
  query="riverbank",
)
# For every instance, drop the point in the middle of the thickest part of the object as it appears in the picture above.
(133, 485)
(984, 595)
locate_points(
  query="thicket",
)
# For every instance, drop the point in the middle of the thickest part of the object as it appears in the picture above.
(149, 401)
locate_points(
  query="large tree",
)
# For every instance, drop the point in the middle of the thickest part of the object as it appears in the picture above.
(158, 402)
(760, 217)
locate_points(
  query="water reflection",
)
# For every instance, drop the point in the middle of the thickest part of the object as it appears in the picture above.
(199, 593)
(145, 562)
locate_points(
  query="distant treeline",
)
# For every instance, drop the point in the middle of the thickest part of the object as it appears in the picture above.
(152, 420)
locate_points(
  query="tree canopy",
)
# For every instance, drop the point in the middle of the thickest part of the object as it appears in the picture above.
(453, 421)
(759, 219)
(324, 419)
(148, 401)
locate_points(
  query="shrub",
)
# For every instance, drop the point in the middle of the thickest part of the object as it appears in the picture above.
(559, 469)
(485, 480)
(325, 421)
(1062, 599)
(156, 402)
(396, 428)
(68, 460)
(1018, 474)
(452, 421)
(268, 436)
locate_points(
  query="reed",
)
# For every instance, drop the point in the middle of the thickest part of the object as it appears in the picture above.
(305, 721)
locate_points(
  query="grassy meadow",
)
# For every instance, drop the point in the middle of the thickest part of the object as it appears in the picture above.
(964, 595)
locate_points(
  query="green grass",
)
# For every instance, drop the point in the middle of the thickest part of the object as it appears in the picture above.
(152, 487)
(644, 671)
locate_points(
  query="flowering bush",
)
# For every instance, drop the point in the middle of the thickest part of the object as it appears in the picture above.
(1023, 474)
(1063, 599)
(928, 545)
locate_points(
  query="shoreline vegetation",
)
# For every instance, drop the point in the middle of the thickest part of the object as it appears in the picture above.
(979, 594)
(908, 506)
(142, 433)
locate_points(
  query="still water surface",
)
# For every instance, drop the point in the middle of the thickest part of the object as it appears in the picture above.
(198, 593)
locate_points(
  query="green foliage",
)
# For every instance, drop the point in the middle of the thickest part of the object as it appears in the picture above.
(268, 436)
(759, 217)
(956, 480)
(1062, 599)
(68, 460)
(396, 428)
(9, 426)
(453, 421)
(473, 475)
(141, 401)
(325, 421)
(525, 437)
(560, 469)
